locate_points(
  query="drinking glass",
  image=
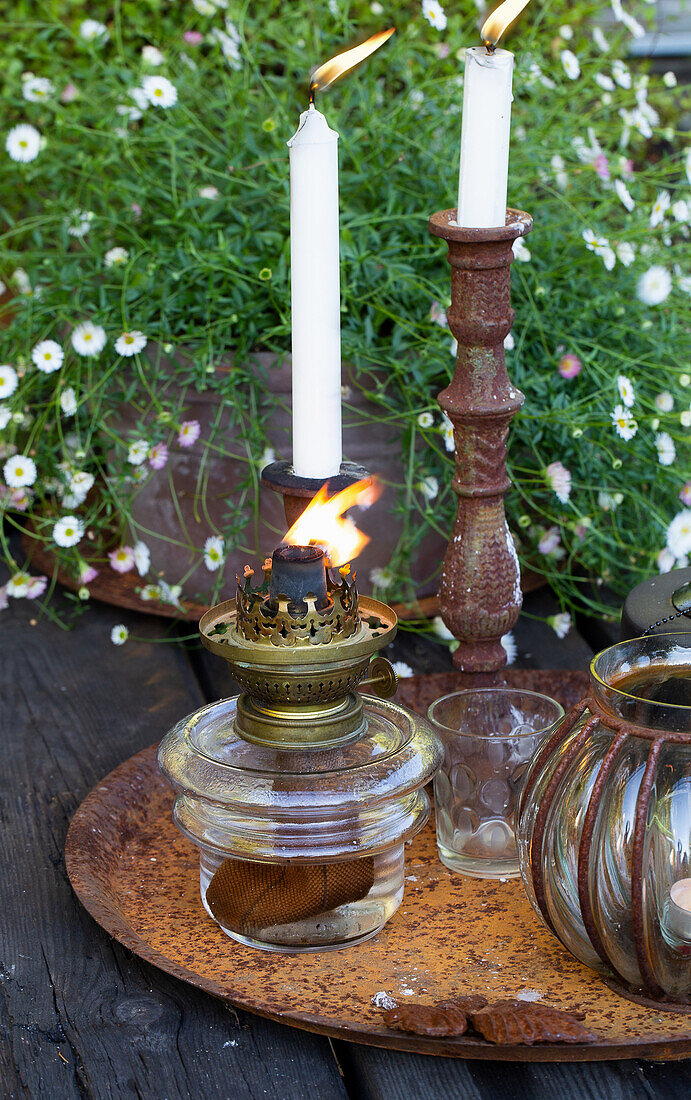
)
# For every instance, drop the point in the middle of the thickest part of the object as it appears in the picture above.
(489, 736)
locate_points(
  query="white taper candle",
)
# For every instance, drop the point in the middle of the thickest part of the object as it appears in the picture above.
(315, 297)
(485, 133)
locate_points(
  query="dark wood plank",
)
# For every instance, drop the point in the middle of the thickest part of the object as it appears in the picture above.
(79, 1015)
(388, 1076)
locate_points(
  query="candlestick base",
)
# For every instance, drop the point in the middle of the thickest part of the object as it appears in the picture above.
(298, 491)
(480, 592)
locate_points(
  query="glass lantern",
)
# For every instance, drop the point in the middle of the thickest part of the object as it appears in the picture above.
(604, 826)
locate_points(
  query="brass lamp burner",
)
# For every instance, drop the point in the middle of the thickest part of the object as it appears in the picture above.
(299, 645)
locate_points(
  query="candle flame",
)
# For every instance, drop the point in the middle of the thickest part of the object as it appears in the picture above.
(496, 23)
(325, 75)
(323, 522)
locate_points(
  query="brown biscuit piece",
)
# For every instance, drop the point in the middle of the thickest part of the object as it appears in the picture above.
(523, 1022)
(433, 1021)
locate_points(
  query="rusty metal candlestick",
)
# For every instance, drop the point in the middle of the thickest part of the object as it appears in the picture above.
(480, 591)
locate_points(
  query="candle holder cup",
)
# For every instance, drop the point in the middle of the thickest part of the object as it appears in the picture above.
(298, 491)
(480, 592)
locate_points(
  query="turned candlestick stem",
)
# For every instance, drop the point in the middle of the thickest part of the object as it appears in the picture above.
(480, 592)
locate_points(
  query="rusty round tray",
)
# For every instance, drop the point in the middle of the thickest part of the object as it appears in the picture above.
(139, 878)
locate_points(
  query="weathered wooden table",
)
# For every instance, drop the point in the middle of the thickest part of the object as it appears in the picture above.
(82, 1017)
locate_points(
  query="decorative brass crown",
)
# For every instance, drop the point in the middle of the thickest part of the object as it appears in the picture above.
(283, 623)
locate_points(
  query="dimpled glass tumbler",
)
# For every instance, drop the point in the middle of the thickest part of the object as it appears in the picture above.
(489, 735)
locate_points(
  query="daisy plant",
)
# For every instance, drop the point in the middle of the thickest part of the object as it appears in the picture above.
(145, 262)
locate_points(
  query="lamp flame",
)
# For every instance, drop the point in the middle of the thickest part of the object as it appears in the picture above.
(323, 522)
(496, 23)
(325, 75)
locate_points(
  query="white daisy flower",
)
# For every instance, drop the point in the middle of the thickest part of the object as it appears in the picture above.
(571, 65)
(79, 222)
(664, 402)
(142, 558)
(79, 483)
(88, 338)
(170, 593)
(685, 418)
(68, 401)
(624, 195)
(204, 7)
(19, 470)
(626, 253)
(140, 98)
(114, 257)
(151, 55)
(21, 281)
(683, 282)
(434, 14)
(119, 634)
(5, 416)
(566, 32)
(229, 41)
(621, 74)
(48, 356)
(560, 174)
(8, 380)
(669, 79)
(632, 25)
(665, 560)
(214, 553)
(509, 342)
(130, 343)
(18, 585)
(609, 501)
(520, 250)
(679, 534)
(402, 670)
(681, 211)
(23, 143)
(654, 287)
(381, 577)
(660, 208)
(600, 40)
(425, 420)
(150, 592)
(208, 192)
(666, 451)
(429, 487)
(447, 431)
(68, 531)
(626, 391)
(559, 480)
(93, 31)
(601, 247)
(510, 648)
(624, 423)
(605, 82)
(561, 623)
(440, 628)
(159, 91)
(37, 88)
(138, 452)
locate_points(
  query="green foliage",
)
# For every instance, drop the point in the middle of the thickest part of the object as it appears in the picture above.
(208, 277)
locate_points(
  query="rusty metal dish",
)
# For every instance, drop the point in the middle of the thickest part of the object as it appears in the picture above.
(138, 877)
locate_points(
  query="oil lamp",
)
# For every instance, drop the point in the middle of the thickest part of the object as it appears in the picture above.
(301, 792)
